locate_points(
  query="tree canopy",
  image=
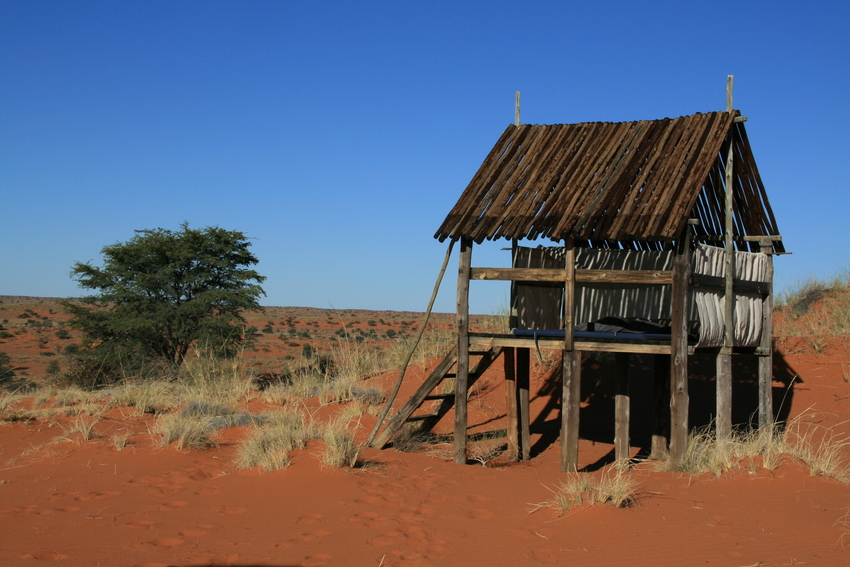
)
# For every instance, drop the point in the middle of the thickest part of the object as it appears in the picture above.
(163, 291)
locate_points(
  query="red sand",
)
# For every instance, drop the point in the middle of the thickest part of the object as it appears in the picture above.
(87, 504)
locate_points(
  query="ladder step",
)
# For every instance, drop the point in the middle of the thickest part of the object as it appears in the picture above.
(470, 374)
(439, 396)
(421, 417)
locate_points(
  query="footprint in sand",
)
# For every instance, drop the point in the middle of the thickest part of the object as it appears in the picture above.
(481, 514)
(310, 519)
(211, 558)
(141, 524)
(45, 556)
(208, 491)
(170, 505)
(192, 532)
(315, 560)
(167, 542)
(232, 510)
(478, 498)
(95, 496)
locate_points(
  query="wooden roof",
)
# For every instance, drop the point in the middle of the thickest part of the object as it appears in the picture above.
(613, 184)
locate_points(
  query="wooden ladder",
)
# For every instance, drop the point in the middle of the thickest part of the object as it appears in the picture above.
(425, 393)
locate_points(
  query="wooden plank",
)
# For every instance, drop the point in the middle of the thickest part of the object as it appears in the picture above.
(519, 274)
(660, 277)
(660, 407)
(570, 398)
(554, 275)
(679, 399)
(511, 405)
(765, 371)
(481, 340)
(621, 410)
(461, 382)
(523, 371)
(717, 283)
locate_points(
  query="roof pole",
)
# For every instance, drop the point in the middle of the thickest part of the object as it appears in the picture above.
(516, 110)
(724, 359)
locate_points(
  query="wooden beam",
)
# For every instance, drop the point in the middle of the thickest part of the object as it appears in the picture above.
(765, 371)
(717, 283)
(485, 341)
(555, 275)
(462, 378)
(511, 404)
(661, 407)
(523, 372)
(570, 399)
(679, 399)
(569, 292)
(723, 392)
(723, 381)
(621, 409)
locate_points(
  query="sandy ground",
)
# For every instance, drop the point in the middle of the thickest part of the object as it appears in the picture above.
(88, 504)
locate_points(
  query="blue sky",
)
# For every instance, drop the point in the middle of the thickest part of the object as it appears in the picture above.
(339, 134)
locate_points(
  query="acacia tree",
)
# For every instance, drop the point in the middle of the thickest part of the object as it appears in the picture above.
(163, 291)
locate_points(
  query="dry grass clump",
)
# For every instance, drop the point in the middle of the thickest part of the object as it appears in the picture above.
(332, 380)
(341, 449)
(821, 449)
(82, 425)
(275, 435)
(10, 410)
(210, 378)
(616, 489)
(146, 397)
(194, 426)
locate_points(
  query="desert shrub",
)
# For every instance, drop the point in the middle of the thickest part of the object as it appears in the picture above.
(7, 372)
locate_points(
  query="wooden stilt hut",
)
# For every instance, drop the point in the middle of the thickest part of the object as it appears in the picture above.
(662, 241)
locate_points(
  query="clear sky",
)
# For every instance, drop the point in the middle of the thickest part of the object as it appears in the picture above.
(339, 134)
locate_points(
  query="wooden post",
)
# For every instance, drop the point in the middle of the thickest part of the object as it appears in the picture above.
(511, 405)
(523, 371)
(679, 352)
(571, 385)
(661, 407)
(516, 110)
(621, 409)
(766, 343)
(462, 378)
(723, 381)
(570, 410)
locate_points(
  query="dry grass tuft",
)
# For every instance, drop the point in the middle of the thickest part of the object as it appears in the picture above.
(821, 449)
(616, 489)
(83, 425)
(341, 449)
(275, 435)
